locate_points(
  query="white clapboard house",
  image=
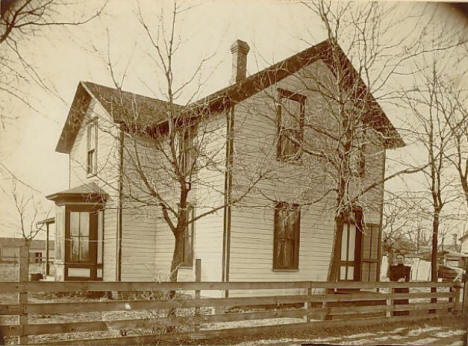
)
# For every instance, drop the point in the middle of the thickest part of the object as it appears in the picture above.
(100, 236)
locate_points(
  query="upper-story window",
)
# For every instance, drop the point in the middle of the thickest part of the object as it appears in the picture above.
(91, 160)
(286, 236)
(290, 125)
(186, 151)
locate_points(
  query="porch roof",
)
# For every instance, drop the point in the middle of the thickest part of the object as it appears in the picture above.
(86, 193)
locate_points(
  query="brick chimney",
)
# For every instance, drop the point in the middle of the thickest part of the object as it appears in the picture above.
(239, 50)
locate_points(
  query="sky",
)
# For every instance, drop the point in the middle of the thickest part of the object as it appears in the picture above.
(65, 55)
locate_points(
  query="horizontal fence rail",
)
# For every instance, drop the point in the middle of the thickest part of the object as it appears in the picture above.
(99, 286)
(140, 311)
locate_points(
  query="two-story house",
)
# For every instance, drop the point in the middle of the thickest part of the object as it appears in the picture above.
(279, 229)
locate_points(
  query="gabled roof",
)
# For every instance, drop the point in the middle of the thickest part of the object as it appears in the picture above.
(122, 106)
(323, 51)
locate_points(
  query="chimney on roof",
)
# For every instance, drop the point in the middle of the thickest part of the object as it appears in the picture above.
(239, 50)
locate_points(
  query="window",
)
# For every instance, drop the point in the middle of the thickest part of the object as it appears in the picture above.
(38, 257)
(188, 238)
(91, 166)
(370, 253)
(82, 228)
(79, 237)
(290, 125)
(286, 236)
(185, 147)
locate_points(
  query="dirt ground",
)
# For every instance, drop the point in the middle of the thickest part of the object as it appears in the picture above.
(451, 331)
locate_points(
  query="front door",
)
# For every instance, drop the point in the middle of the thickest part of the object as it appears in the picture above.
(350, 260)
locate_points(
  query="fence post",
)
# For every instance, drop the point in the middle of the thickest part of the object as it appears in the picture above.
(456, 301)
(23, 294)
(388, 301)
(197, 293)
(465, 296)
(307, 303)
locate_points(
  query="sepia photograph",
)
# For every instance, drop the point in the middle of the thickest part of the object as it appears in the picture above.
(233, 172)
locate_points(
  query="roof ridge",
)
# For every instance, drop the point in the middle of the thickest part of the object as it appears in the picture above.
(124, 91)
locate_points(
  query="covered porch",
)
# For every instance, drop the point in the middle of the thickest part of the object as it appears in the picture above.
(79, 232)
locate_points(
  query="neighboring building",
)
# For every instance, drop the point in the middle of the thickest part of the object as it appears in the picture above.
(454, 258)
(37, 250)
(464, 243)
(102, 236)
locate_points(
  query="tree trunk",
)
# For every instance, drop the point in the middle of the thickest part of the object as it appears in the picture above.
(177, 255)
(464, 184)
(177, 259)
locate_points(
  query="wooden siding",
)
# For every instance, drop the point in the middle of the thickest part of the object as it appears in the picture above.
(148, 242)
(106, 177)
(255, 151)
(143, 231)
(208, 240)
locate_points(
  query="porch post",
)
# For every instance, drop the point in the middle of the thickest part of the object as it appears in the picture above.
(47, 268)
(23, 294)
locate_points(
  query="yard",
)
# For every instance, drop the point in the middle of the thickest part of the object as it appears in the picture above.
(448, 331)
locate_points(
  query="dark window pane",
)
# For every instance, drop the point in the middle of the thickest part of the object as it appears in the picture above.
(91, 162)
(286, 235)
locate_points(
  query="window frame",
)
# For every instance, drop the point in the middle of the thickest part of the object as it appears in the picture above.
(356, 221)
(188, 234)
(373, 256)
(37, 257)
(299, 133)
(92, 264)
(91, 167)
(294, 261)
(186, 149)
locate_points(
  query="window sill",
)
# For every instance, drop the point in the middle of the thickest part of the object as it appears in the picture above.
(186, 267)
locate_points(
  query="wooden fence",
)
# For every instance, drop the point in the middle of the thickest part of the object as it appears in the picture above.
(60, 312)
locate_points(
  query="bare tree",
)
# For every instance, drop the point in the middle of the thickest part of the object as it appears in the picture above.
(401, 224)
(20, 22)
(174, 149)
(355, 131)
(453, 105)
(435, 135)
(28, 209)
